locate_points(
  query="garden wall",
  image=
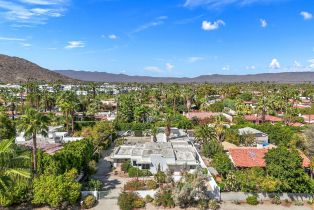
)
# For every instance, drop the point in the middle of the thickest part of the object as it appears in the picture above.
(241, 196)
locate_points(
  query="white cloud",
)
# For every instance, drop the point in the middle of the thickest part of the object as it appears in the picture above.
(42, 2)
(169, 66)
(226, 68)
(26, 45)
(153, 69)
(306, 15)
(296, 64)
(194, 59)
(209, 26)
(274, 64)
(11, 39)
(311, 63)
(156, 22)
(31, 12)
(75, 44)
(112, 36)
(222, 3)
(263, 23)
(252, 67)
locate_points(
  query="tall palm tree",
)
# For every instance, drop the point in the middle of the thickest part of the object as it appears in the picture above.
(204, 133)
(68, 103)
(13, 165)
(33, 123)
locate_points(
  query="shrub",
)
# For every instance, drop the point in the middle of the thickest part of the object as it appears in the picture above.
(276, 200)
(202, 204)
(92, 167)
(164, 198)
(136, 172)
(252, 200)
(213, 204)
(151, 184)
(134, 185)
(126, 166)
(298, 203)
(129, 201)
(310, 202)
(139, 203)
(160, 177)
(54, 190)
(95, 184)
(89, 201)
(222, 163)
(148, 199)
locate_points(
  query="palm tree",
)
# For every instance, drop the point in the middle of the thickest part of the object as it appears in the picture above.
(13, 165)
(33, 123)
(68, 103)
(204, 133)
(220, 128)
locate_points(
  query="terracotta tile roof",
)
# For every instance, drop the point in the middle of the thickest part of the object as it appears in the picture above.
(268, 118)
(306, 161)
(308, 117)
(247, 157)
(296, 124)
(201, 115)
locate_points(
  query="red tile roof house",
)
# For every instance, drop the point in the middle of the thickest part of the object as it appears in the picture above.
(248, 157)
(258, 118)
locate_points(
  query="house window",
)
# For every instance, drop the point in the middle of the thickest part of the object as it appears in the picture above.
(145, 166)
(134, 163)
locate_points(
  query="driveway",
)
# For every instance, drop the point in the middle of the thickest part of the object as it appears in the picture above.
(112, 184)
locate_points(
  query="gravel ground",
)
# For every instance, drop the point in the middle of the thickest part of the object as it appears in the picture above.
(231, 206)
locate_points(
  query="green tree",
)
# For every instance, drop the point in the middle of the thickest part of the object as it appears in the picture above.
(222, 163)
(204, 133)
(33, 123)
(67, 101)
(14, 168)
(54, 190)
(309, 134)
(7, 127)
(211, 148)
(286, 165)
(192, 187)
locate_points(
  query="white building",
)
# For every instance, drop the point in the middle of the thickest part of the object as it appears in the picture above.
(260, 137)
(55, 135)
(175, 154)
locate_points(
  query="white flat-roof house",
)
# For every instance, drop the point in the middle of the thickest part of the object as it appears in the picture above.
(176, 154)
(55, 135)
(260, 137)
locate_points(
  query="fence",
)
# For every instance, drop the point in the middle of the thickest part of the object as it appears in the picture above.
(215, 193)
(241, 196)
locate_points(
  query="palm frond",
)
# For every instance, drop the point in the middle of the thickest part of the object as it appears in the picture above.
(18, 172)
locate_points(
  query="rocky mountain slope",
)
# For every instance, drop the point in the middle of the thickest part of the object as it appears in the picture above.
(14, 70)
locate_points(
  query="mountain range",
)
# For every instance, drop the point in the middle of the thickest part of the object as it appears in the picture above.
(14, 70)
(284, 77)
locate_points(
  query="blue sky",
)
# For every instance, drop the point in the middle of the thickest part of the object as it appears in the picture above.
(161, 37)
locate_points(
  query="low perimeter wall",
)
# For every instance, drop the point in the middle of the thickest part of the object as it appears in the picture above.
(241, 196)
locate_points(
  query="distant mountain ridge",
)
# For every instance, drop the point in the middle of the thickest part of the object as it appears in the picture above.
(14, 70)
(284, 77)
